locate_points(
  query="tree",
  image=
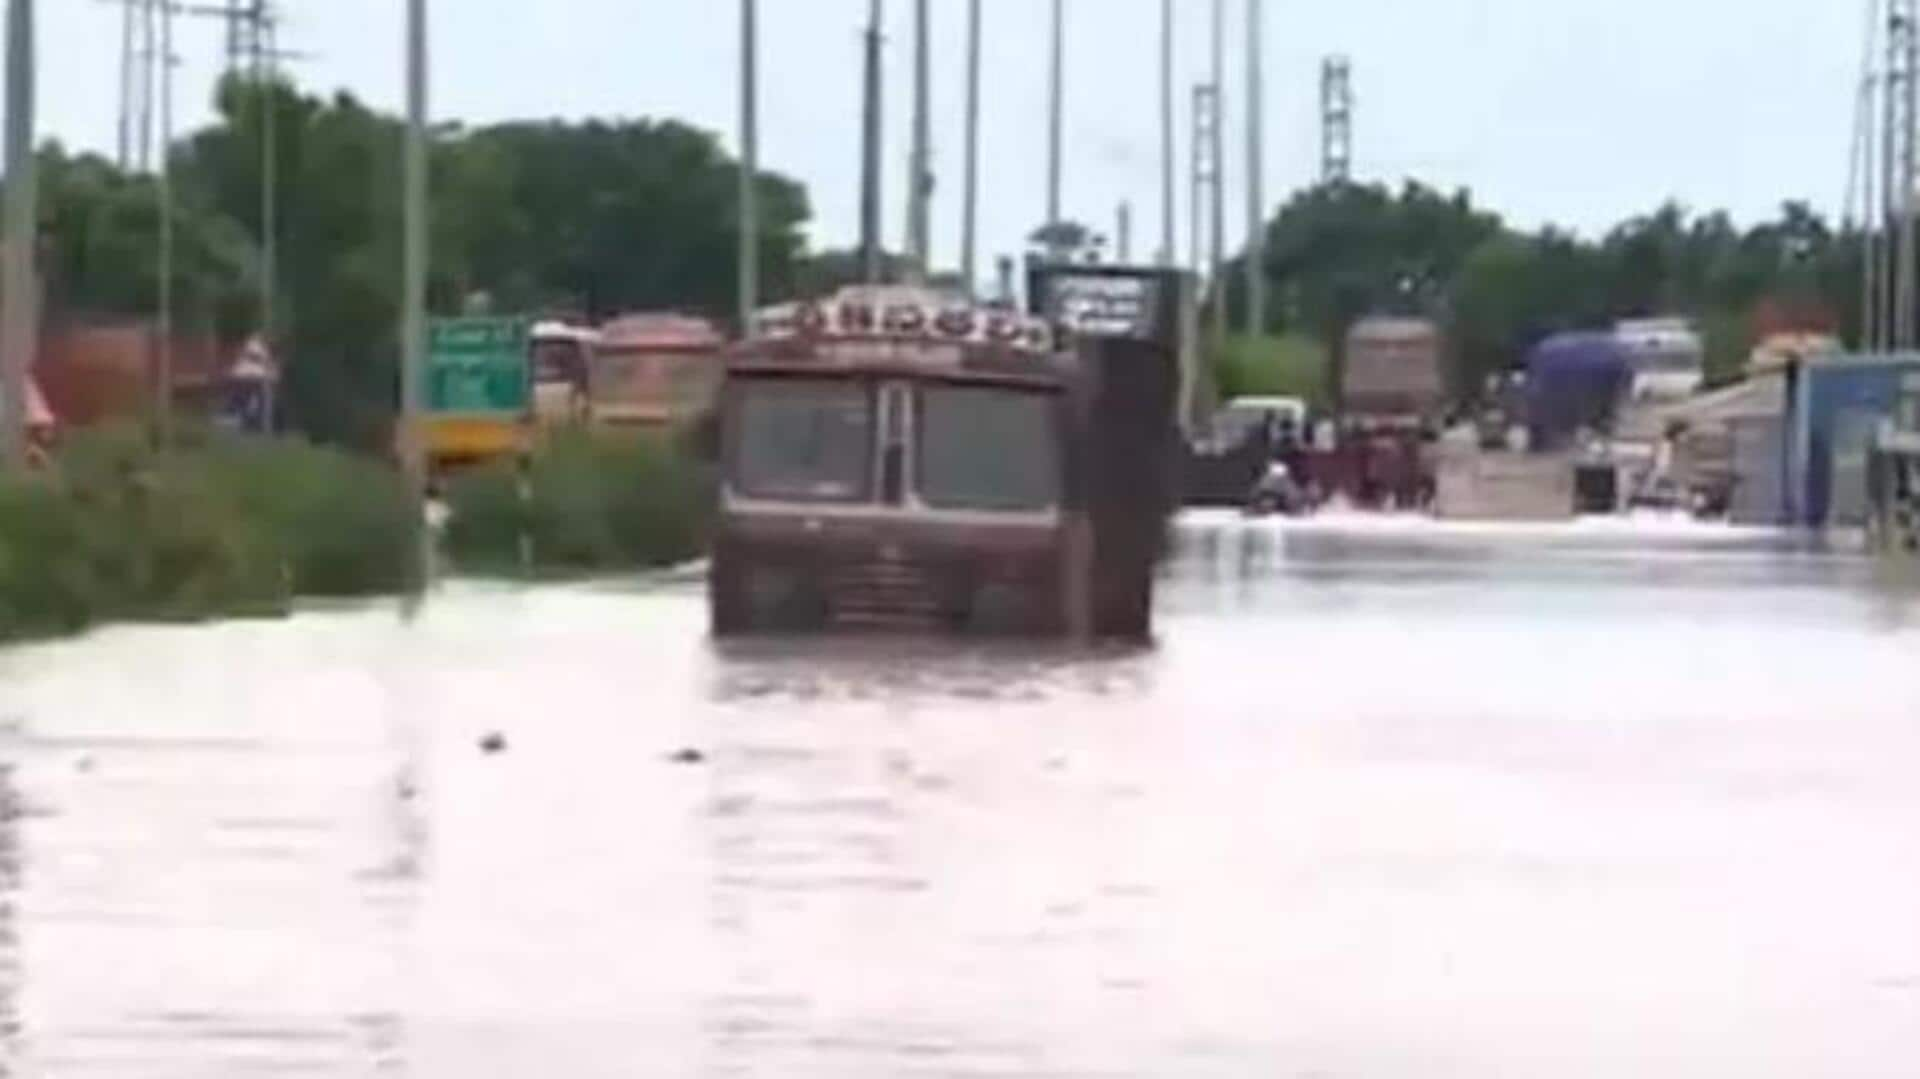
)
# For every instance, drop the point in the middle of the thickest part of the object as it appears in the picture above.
(595, 217)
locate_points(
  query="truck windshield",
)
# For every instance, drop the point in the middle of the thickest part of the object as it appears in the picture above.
(807, 439)
(984, 448)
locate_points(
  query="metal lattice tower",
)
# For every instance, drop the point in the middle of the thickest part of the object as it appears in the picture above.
(1336, 120)
(251, 49)
(138, 64)
(249, 35)
(1205, 172)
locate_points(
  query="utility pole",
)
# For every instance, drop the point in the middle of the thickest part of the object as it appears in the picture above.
(1897, 164)
(163, 329)
(970, 213)
(749, 165)
(1906, 43)
(19, 319)
(1167, 209)
(1205, 175)
(148, 37)
(1336, 120)
(1055, 110)
(1867, 196)
(1256, 176)
(124, 143)
(1862, 190)
(1219, 152)
(1123, 234)
(267, 87)
(413, 306)
(871, 261)
(920, 157)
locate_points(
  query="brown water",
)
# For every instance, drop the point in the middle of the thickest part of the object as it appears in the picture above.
(1388, 799)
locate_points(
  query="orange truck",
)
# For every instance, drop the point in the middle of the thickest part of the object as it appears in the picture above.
(655, 371)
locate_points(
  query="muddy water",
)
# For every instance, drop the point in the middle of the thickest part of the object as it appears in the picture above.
(1388, 799)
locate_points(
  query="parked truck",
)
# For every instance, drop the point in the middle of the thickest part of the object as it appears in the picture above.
(1394, 371)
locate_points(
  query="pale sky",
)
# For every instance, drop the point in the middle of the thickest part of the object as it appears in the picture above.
(1577, 112)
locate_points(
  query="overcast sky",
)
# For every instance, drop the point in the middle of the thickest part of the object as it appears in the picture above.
(1578, 112)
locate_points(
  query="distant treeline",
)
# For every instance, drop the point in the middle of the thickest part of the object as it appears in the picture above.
(601, 217)
(1340, 252)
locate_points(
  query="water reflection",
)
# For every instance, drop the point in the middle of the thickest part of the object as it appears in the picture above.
(1385, 799)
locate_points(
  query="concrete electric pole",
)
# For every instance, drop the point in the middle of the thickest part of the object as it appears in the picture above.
(920, 156)
(123, 155)
(749, 286)
(970, 212)
(163, 322)
(1055, 110)
(1167, 209)
(1863, 189)
(413, 290)
(19, 319)
(1895, 278)
(1903, 97)
(1218, 151)
(871, 258)
(1256, 176)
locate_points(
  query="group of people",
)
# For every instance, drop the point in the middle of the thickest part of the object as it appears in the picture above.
(1369, 466)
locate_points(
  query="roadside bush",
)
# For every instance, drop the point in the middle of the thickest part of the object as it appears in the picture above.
(46, 586)
(343, 524)
(592, 503)
(220, 526)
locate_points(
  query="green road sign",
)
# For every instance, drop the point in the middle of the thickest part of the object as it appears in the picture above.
(476, 365)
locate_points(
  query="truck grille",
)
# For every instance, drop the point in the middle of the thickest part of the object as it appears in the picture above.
(884, 594)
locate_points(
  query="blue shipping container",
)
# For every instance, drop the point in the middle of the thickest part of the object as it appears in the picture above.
(1837, 407)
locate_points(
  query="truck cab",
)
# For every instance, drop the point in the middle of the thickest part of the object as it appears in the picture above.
(893, 458)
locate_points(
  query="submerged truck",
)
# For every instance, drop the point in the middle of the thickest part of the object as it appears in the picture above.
(894, 458)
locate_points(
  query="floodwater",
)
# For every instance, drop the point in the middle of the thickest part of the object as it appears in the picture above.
(1388, 799)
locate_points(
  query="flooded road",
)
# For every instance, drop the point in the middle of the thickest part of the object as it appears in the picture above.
(1389, 799)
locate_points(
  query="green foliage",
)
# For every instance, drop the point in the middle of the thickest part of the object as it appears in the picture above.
(1339, 252)
(588, 503)
(46, 587)
(220, 526)
(343, 524)
(1291, 365)
(1729, 341)
(101, 234)
(597, 217)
